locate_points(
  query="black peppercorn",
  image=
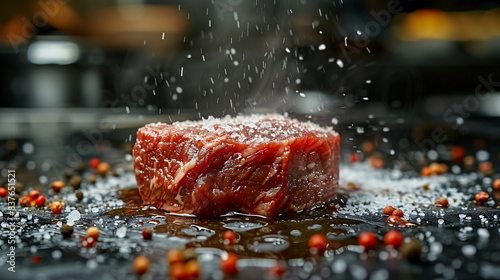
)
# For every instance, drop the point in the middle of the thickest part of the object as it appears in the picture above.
(79, 195)
(75, 182)
(66, 231)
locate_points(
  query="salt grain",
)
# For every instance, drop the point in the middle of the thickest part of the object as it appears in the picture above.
(121, 232)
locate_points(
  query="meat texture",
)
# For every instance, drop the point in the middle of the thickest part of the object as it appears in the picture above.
(259, 164)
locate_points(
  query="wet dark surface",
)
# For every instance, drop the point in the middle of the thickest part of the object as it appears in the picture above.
(458, 242)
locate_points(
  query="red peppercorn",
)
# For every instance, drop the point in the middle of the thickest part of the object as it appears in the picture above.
(485, 166)
(276, 271)
(56, 207)
(367, 240)
(177, 271)
(229, 237)
(94, 162)
(36, 259)
(229, 264)
(354, 157)
(40, 201)
(140, 265)
(34, 194)
(174, 256)
(376, 162)
(24, 200)
(426, 171)
(103, 168)
(442, 201)
(88, 242)
(317, 244)
(57, 186)
(458, 154)
(3, 192)
(395, 220)
(481, 197)
(496, 185)
(192, 269)
(393, 238)
(147, 234)
(93, 232)
(368, 147)
(388, 210)
(398, 212)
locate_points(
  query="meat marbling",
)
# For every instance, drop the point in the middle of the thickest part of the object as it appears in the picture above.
(259, 164)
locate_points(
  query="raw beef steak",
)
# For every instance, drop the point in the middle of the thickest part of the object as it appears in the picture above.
(260, 164)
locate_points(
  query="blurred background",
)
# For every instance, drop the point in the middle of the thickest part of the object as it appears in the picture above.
(94, 67)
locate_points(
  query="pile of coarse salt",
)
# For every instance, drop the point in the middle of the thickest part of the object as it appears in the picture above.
(254, 128)
(376, 189)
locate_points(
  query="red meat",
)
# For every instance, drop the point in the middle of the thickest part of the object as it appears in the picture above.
(261, 164)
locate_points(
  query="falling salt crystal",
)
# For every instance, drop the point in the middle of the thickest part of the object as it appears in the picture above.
(163, 36)
(340, 63)
(432, 155)
(287, 50)
(56, 254)
(483, 233)
(436, 248)
(358, 272)
(121, 232)
(302, 94)
(178, 90)
(368, 81)
(469, 250)
(28, 148)
(339, 266)
(298, 81)
(358, 32)
(482, 155)
(335, 121)
(322, 47)
(381, 274)
(174, 96)
(92, 264)
(30, 165)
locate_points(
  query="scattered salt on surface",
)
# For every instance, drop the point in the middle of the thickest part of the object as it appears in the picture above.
(380, 188)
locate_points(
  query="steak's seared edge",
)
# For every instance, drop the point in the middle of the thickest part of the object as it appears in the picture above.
(263, 165)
